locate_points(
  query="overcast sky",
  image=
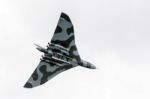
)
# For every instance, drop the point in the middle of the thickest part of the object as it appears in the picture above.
(112, 34)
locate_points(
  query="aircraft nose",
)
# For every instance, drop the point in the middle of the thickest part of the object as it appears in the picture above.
(93, 66)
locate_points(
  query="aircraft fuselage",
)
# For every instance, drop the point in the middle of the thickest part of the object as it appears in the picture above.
(58, 55)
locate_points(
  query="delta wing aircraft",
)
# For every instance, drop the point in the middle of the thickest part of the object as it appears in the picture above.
(61, 54)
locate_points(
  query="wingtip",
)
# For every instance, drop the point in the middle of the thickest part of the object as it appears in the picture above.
(65, 16)
(28, 85)
(63, 13)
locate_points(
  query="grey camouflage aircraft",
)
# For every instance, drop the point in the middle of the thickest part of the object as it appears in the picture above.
(61, 54)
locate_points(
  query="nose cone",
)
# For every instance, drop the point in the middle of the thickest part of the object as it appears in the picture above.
(92, 66)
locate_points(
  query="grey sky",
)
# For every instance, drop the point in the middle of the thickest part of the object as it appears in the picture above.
(112, 34)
